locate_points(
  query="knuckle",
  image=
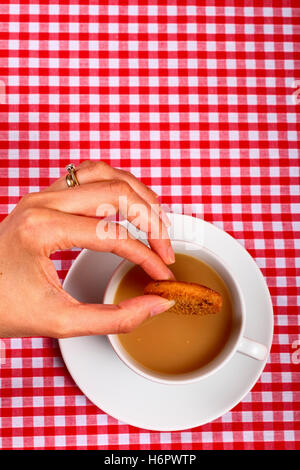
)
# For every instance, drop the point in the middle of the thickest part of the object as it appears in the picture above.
(86, 163)
(93, 166)
(30, 199)
(100, 167)
(126, 174)
(30, 220)
(120, 194)
(88, 166)
(97, 169)
(101, 164)
(118, 186)
(124, 187)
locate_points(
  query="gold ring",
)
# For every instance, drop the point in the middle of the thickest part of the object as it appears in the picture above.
(71, 177)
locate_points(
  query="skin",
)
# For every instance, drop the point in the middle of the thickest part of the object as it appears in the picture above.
(33, 302)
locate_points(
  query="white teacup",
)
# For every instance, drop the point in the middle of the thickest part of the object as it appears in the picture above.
(236, 342)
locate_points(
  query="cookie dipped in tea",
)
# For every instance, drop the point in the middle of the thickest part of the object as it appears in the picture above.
(190, 298)
(172, 343)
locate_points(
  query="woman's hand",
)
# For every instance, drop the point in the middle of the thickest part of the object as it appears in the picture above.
(33, 302)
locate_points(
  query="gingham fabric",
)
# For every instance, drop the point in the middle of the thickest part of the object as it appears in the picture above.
(198, 100)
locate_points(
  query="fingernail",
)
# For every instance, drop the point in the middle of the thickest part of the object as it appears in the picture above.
(171, 276)
(162, 307)
(171, 256)
(165, 218)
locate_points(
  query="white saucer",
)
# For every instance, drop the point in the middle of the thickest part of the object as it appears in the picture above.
(128, 397)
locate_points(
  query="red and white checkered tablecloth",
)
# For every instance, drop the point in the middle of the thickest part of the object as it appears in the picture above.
(200, 101)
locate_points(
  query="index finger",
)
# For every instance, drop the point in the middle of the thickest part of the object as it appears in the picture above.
(90, 171)
(68, 231)
(95, 199)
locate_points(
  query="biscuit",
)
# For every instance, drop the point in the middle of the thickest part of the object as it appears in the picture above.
(190, 298)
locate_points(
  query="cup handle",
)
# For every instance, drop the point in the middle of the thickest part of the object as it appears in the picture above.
(253, 349)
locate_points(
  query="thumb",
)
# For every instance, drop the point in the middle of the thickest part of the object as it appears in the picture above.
(95, 319)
